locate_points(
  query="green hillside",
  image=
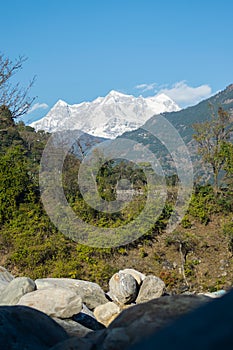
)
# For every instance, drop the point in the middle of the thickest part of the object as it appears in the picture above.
(196, 256)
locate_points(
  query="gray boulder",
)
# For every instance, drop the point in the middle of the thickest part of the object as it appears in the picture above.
(152, 287)
(55, 302)
(139, 277)
(123, 288)
(15, 290)
(3, 285)
(5, 276)
(91, 293)
(74, 329)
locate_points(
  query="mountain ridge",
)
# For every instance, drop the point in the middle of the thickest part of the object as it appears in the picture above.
(182, 122)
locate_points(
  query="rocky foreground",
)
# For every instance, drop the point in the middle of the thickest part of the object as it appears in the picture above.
(136, 313)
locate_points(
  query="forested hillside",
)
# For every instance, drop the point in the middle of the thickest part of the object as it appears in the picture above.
(196, 256)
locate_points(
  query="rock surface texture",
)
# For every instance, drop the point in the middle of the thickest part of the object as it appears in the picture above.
(55, 302)
(91, 293)
(66, 314)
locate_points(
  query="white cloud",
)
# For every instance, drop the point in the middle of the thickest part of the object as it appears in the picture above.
(146, 87)
(185, 95)
(37, 106)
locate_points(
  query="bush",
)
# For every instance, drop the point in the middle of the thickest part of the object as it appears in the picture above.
(228, 231)
(203, 204)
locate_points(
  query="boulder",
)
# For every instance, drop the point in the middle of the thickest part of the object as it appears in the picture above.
(106, 313)
(139, 277)
(152, 287)
(26, 328)
(91, 293)
(144, 319)
(123, 288)
(74, 344)
(5, 276)
(15, 290)
(208, 327)
(87, 311)
(74, 329)
(55, 302)
(3, 285)
(88, 321)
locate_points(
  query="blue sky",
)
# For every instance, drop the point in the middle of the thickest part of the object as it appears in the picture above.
(83, 49)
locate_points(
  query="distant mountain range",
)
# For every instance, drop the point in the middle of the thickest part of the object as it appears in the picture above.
(108, 116)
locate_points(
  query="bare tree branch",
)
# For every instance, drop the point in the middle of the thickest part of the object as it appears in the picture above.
(13, 96)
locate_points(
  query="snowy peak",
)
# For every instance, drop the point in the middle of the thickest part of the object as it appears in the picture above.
(108, 116)
(116, 93)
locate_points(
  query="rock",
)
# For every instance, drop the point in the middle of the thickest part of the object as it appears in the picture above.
(26, 328)
(139, 277)
(91, 293)
(5, 276)
(55, 302)
(15, 290)
(86, 311)
(3, 285)
(209, 327)
(116, 339)
(74, 344)
(106, 313)
(88, 321)
(144, 319)
(74, 329)
(123, 288)
(217, 294)
(152, 287)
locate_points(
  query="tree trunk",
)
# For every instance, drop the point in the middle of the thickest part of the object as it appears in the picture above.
(182, 264)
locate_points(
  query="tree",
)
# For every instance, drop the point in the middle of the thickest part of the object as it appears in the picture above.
(210, 136)
(184, 243)
(12, 95)
(227, 154)
(15, 181)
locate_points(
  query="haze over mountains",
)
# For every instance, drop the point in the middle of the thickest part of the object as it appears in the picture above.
(108, 116)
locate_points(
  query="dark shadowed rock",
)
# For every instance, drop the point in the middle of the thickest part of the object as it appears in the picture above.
(24, 328)
(74, 344)
(88, 321)
(209, 327)
(144, 319)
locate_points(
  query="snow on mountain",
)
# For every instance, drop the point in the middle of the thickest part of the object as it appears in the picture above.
(108, 116)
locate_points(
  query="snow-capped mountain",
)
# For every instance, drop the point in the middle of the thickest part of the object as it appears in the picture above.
(108, 116)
